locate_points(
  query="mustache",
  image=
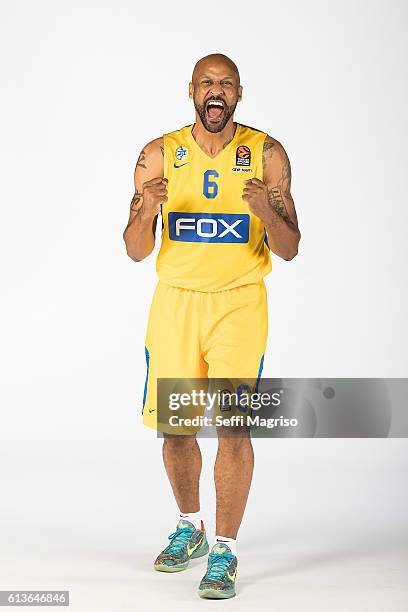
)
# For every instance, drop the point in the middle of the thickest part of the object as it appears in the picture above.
(215, 98)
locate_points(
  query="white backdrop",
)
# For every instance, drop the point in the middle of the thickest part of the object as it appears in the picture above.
(84, 85)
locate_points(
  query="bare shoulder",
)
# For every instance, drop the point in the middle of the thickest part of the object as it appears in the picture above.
(276, 165)
(273, 151)
(150, 161)
(155, 146)
(152, 150)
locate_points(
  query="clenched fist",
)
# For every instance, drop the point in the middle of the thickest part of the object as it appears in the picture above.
(154, 194)
(256, 195)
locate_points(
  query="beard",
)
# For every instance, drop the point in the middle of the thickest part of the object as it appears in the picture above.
(214, 126)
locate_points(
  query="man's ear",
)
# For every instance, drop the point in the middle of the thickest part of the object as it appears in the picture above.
(190, 90)
(239, 93)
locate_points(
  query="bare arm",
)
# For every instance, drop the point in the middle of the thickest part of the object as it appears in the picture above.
(272, 201)
(150, 193)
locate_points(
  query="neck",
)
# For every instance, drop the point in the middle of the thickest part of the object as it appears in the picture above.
(213, 142)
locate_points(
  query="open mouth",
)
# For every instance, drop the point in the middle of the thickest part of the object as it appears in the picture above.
(215, 110)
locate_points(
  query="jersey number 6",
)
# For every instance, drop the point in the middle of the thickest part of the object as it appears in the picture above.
(210, 188)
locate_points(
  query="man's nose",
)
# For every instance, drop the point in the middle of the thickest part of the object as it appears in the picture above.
(216, 89)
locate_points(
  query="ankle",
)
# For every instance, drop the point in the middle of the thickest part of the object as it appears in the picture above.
(230, 542)
(192, 517)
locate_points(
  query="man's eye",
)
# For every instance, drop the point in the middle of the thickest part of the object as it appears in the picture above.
(205, 82)
(229, 83)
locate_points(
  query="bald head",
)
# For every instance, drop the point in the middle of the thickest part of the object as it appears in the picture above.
(215, 89)
(217, 60)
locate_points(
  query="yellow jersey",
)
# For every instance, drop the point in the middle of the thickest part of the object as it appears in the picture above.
(210, 239)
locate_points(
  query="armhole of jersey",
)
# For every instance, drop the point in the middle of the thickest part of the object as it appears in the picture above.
(262, 147)
(165, 166)
(165, 174)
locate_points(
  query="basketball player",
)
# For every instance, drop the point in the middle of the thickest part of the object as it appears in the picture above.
(223, 191)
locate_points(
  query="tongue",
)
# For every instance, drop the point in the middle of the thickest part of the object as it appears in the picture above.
(215, 112)
(182, 524)
(220, 549)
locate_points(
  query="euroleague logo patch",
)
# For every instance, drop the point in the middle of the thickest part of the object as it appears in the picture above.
(243, 156)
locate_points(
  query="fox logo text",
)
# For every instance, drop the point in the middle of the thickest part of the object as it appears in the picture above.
(208, 227)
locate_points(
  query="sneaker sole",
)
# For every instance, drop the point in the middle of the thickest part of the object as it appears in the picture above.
(215, 594)
(162, 567)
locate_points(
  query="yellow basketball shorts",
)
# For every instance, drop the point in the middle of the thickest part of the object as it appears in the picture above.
(195, 334)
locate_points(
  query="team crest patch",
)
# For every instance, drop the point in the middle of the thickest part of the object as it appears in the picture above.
(181, 153)
(243, 157)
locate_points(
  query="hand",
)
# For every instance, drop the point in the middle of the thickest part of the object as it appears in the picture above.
(256, 195)
(154, 195)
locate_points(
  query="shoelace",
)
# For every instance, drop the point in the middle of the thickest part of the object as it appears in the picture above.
(178, 539)
(217, 565)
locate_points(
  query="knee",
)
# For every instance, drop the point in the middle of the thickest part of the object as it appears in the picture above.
(234, 443)
(178, 443)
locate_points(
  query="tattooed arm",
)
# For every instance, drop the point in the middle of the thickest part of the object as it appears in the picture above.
(271, 200)
(150, 193)
(281, 224)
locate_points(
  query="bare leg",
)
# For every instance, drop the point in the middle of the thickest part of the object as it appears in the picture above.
(182, 460)
(233, 470)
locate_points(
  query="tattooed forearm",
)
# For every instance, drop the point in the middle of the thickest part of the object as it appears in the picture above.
(142, 160)
(134, 205)
(276, 200)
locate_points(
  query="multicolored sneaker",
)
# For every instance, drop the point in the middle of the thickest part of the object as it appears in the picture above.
(219, 580)
(186, 543)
